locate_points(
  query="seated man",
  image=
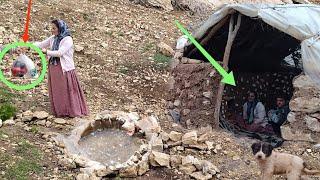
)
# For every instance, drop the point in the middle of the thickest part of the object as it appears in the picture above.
(279, 115)
(254, 116)
(253, 110)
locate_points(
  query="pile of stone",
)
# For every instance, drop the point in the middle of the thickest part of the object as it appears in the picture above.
(304, 118)
(40, 118)
(193, 92)
(176, 142)
(152, 153)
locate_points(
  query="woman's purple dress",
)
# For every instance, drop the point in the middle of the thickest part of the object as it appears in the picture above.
(66, 95)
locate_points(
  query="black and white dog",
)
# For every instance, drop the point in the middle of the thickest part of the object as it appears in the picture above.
(275, 163)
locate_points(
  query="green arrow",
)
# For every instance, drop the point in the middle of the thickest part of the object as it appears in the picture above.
(227, 77)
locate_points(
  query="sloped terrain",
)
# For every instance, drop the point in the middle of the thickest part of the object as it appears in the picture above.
(119, 69)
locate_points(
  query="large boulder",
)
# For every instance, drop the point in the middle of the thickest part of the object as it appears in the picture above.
(289, 134)
(305, 104)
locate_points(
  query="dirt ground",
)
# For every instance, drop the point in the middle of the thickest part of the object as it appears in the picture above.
(119, 69)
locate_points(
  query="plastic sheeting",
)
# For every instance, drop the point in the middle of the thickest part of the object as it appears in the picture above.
(300, 21)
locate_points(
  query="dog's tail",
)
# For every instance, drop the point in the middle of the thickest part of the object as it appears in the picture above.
(307, 171)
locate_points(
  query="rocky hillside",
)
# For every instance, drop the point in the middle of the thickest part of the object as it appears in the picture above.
(119, 69)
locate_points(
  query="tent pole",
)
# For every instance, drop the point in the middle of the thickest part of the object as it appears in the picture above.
(231, 36)
(213, 31)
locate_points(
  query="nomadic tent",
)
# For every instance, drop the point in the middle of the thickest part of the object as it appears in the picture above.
(297, 20)
(263, 35)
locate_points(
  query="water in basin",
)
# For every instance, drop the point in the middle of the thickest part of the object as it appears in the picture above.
(109, 146)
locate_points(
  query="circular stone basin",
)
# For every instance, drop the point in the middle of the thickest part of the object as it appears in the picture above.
(109, 146)
(103, 147)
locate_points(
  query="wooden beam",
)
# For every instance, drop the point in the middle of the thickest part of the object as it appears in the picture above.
(231, 36)
(213, 30)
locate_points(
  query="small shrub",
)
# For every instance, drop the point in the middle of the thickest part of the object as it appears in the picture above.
(35, 129)
(161, 60)
(147, 47)
(7, 111)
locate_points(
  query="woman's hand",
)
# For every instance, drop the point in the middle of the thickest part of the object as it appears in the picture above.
(44, 51)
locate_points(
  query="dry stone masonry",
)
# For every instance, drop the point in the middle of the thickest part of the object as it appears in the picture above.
(158, 150)
(304, 118)
(192, 92)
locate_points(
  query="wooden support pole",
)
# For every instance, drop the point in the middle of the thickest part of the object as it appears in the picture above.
(231, 36)
(213, 30)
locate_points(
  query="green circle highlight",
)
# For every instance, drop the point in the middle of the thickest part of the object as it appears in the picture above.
(43, 63)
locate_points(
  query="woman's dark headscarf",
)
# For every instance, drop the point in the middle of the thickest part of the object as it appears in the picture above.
(63, 32)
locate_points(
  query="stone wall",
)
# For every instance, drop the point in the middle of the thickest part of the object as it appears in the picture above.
(304, 118)
(193, 92)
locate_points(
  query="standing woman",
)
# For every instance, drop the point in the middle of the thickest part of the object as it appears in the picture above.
(65, 93)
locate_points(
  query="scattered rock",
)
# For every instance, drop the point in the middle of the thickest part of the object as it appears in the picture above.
(304, 82)
(159, 159)
(78, 48)
(288, 134)
(199, 146)
(103, 171)
(164, 136)
(186, 112)
(60, 121)
(218, 147)
(149, 124)
(4, 136)
(312, 123)
(41, 115)
(165, 49)
(177, 103)
(305, 104)
(175, 161)
(291, 117)
(48, 123)
(156, 143)
(190, 138)
(143, 167)
(180, 148)
(129, 172)
(41, 123)
(208, 94)
(209, 145)
(9, 122)
(188, 160)
(0, 123)
(200, 176)
(204, 137)
(83, 177)
(187, 169)
(208, 167)
(175, 136)
(104, 45)
(27, 116)
(67, 163)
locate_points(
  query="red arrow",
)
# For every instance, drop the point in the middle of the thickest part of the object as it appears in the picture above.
(25, 36)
